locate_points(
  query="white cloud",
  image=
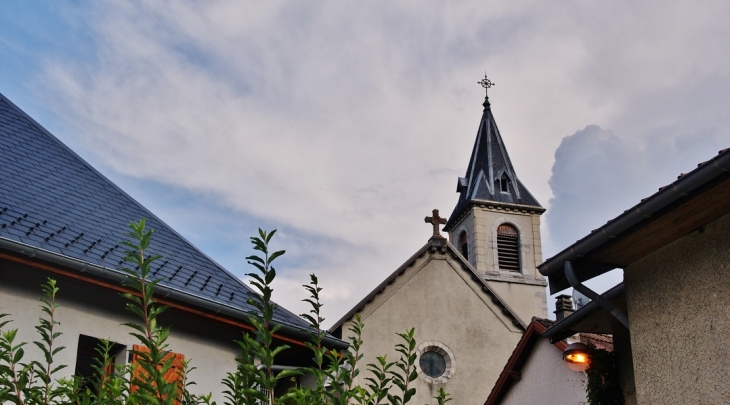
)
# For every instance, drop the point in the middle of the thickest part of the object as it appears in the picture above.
(346, 123)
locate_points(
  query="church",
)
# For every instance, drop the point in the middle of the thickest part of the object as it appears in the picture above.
(470, 296)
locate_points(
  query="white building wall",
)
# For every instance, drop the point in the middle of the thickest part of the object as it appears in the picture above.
(97, 312)
(545, 380)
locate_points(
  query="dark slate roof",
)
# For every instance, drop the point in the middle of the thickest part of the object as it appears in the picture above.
(52, 199)
(489, 162)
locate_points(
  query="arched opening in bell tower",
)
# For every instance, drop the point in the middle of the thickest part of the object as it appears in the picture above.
(463, 245)
(508, 248)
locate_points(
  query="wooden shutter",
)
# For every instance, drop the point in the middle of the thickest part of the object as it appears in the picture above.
(508, 248)
(174, 374)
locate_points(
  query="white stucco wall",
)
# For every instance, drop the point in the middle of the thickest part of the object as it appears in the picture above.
(546, 380)
(444, 305)
(96, 312)
(679, 312)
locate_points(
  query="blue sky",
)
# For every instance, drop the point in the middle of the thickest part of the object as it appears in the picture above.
(343, 124)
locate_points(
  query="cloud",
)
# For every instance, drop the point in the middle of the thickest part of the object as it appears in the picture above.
(597, 175)
(343, 124)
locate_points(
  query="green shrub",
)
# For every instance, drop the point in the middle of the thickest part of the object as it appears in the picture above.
(253, 381)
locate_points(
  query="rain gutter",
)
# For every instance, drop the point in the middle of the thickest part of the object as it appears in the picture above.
(160, 290)
(687, 183)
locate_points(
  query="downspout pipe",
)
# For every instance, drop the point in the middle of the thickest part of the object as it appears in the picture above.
(603, 302)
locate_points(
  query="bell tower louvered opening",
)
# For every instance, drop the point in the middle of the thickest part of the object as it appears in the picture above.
(508, 248)
(463, 245)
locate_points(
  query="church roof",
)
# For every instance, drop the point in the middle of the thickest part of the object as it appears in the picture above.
(54, 203)
(490, 176)
(434, 245)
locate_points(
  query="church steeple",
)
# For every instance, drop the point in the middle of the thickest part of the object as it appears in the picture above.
(490, 176)
(496, 222)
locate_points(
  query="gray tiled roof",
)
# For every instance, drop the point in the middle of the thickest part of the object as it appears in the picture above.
(489, 162)
(52, 199)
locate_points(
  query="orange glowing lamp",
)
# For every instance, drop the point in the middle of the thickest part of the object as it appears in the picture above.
(576, 357)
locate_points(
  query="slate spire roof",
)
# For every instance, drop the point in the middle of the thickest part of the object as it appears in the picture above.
(53, 200)
(490, 176)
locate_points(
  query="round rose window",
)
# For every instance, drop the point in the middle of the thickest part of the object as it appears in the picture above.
(433, 364)
(436, 362)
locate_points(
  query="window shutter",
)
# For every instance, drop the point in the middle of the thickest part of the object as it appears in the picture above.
(508, 248)
(173, 375)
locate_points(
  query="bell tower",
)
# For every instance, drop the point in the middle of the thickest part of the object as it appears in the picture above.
(496, 222)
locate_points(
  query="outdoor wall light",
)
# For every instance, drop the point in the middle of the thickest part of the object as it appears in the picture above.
(576, 357)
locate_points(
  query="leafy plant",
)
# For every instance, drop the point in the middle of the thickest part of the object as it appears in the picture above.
(406, 366)
(153, 377)
(31, 383)
(253, 381)
(603, 385)
(148, 384)
(442, 397)
(47, 330)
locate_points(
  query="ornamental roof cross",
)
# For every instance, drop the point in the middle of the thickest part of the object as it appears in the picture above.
(436, 220)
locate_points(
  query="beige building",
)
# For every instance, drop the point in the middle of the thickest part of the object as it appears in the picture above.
(674, 248)
(469, 297)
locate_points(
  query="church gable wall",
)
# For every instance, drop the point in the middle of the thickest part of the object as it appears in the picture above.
(445, 306)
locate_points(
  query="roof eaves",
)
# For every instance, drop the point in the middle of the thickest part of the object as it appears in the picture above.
(116, 276)
(461, 210)
(684, 185)
(377, 290)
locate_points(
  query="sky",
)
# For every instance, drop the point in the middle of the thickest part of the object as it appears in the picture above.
(343, 124)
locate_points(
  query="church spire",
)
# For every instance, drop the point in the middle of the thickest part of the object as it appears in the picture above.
(490, 176)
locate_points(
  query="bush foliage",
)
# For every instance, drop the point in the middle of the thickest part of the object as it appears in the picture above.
(146, 380)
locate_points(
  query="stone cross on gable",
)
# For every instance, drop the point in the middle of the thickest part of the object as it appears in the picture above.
(436, 220)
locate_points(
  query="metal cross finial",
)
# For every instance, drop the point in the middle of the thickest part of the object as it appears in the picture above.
(436, 220)
(486, 83)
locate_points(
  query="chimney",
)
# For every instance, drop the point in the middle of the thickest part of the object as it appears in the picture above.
(563, 307)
